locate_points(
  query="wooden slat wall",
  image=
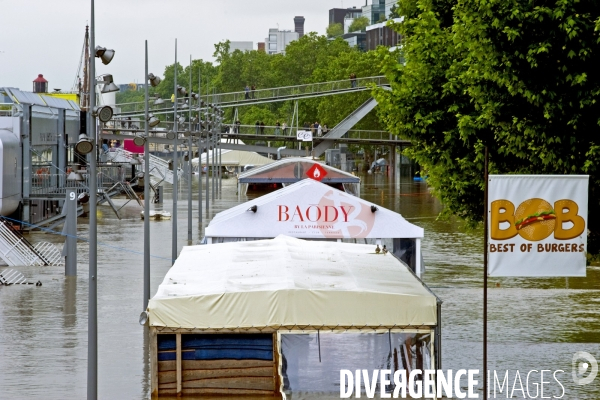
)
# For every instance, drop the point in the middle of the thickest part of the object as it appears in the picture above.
(153, 362)
(226, 377)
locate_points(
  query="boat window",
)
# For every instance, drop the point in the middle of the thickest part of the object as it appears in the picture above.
(313, 368)
(405, 249)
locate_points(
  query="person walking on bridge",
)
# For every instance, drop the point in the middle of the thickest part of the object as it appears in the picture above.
(246, 92)
(277, 128)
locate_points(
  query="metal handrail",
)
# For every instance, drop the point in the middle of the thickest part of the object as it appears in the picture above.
(282, 92)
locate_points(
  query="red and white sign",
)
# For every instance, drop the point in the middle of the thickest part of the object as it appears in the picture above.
(310, 209)
(316, 172)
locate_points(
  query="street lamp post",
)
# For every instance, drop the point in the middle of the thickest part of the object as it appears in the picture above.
(200, 150)
(190, 154)
(89, 145)
(175, 162)
(92, 378)
(151, 121)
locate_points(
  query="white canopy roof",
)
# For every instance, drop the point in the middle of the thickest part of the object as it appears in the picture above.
(293, 169)
(288, 282)
(234, 158)
(310, 209)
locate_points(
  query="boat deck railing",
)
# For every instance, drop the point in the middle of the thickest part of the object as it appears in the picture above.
(47, 181)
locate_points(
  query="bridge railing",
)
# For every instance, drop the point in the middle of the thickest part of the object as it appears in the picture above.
(246, 97)
(291, 91)
(290, 132)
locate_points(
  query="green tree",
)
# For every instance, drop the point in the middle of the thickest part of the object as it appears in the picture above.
(359, 24)
(515, 76)
(334, 30)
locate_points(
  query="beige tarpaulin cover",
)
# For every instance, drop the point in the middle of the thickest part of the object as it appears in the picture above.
(231, 158)
(287, 282)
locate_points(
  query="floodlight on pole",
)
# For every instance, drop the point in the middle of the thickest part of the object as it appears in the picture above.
(103, 113)
(105, 55)
(109, 85)
(152, 120)
(154, 80)
(75, 176)
(158, 100)
(84, 144)
(139, 141)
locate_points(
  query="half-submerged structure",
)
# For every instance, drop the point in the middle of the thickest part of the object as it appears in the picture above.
(234, 160)
(283, 316)
(313, 210)
(294, 169)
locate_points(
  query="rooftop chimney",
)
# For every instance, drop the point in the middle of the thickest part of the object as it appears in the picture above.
(40, 85)
(299, 25)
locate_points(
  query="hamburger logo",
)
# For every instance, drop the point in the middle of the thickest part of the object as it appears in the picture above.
(535, 219)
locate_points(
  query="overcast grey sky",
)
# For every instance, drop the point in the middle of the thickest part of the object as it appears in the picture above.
(46, 36)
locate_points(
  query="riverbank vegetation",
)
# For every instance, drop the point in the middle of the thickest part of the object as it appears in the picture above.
(519, 77)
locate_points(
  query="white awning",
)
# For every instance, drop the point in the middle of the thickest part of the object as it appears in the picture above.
(294, 169)
(234, 158)
(312, 210)
(288, 282)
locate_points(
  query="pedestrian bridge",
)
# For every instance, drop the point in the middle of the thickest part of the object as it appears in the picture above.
(260, 96)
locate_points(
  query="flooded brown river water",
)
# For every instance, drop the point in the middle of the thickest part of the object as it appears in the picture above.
(534, 324)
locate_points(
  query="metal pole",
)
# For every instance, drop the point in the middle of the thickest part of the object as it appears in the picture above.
(220, 160)
(62, 147)
(92, 377)
(146, 193)
(190, 154)
(485, 273)
(175, 162)
(214, 140)
(200, 149)
(206, 121)
(71, 233)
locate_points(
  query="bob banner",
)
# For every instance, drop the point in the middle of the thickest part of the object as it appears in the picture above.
(537, 225)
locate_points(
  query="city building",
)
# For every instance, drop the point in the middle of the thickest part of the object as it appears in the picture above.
(378, 10)
(356, 39)
(338, 15)
(260, 46)
(381, 35)
(374, 11)
(278, 40)
(242, 46)
(299, 25)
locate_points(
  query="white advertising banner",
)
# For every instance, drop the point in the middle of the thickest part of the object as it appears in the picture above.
(537, 225)
(305, 136)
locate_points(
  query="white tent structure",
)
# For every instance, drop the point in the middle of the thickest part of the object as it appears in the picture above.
(253, 304)
(293, 169)
(312, 210)
(233, 158)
